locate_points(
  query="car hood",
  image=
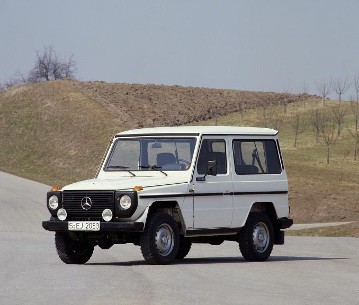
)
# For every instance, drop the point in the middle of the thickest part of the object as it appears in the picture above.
(122, 183)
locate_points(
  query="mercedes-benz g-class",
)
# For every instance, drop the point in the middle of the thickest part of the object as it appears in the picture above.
(166, 188)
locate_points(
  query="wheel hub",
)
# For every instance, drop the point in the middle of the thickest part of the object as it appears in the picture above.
(261, 237)
(164, 239)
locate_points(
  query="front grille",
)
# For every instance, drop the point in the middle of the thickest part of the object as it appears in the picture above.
(100, 200)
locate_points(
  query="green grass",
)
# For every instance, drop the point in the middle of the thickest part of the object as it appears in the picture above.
(52, 134)
(348, 230)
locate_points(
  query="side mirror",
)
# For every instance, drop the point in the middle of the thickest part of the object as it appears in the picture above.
(212, 168)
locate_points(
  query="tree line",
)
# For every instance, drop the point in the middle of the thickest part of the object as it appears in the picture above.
(339, 86)
(326, 121)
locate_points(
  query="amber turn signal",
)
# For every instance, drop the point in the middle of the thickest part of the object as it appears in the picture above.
(55, 188)
(138, 188)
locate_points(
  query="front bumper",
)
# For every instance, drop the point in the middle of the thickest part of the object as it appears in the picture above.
(55, 225)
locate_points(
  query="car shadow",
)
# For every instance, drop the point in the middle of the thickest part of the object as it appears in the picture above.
(219, 260)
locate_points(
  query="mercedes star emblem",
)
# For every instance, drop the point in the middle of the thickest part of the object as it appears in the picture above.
(86, 203)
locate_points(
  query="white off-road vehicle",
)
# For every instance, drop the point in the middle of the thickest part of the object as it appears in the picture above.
(168, 187)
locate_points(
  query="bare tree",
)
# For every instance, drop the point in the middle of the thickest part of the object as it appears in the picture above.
(356, 85)
(275, 119)
(355, 134)
(339, 112)
(340, 86)
(355, 110)
(285, 101)
(16, 79)
(296, 126)
(303, 93)
(48, 66)
(324, 90)
(265, 113)
(241, 110)
(328, 135)
(316, 118)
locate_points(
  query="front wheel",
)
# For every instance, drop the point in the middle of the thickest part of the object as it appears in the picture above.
(160, 240)
(72, 252)
(184, 247)
(256, 238)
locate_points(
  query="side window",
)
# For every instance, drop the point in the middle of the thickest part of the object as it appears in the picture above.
(256, 157)
(212, 149)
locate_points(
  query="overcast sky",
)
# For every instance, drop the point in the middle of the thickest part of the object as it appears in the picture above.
(260, 45)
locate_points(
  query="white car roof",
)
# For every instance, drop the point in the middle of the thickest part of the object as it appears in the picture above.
(200, 130)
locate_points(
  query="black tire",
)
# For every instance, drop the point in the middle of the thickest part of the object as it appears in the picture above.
(184, 247)
(256, 238)
(160, 240)
(72, 252)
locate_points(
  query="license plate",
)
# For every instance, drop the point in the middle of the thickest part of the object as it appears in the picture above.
(84, 226)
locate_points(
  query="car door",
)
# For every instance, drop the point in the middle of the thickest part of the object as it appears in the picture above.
(213, 195)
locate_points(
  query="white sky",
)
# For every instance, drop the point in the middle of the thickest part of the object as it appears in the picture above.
(258, 45)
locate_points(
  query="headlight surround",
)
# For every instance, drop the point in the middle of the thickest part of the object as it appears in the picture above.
(53, 202)
(125, 204)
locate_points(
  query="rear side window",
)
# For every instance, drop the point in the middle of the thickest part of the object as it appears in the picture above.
(256, 157)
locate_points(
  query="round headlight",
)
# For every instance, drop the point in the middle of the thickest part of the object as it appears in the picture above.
(53, 202)
(125, 202)
(62, 214)
(107, 215)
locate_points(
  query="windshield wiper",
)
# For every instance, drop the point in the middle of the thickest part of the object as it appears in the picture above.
(122, 167)
(155, 167)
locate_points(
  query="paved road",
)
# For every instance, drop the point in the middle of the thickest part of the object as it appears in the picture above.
(22, 204)
(304, 271)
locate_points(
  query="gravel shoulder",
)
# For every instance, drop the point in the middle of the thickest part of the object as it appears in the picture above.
(305, 226)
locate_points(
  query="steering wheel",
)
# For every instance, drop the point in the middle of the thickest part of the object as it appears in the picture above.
(184, 161)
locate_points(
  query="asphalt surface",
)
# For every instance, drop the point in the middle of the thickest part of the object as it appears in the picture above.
(304, 271)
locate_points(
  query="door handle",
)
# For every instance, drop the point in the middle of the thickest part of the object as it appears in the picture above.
(227, 193)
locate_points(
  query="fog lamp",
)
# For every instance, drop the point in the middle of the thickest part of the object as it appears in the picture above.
(62, 214)
(107, 215)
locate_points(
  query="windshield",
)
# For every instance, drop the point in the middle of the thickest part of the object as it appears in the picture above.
(152, 154)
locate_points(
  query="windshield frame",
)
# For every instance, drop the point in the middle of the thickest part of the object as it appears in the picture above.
(192, 140)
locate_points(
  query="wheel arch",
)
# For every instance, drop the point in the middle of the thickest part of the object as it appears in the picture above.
(265, 207)
(269, 209)
(170, 207)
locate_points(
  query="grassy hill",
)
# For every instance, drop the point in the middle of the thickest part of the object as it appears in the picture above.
(52, 133)
(57, 133)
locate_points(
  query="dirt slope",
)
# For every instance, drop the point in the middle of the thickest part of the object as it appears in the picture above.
(155, 105)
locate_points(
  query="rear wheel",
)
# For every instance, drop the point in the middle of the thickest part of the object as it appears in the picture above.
(72, 252)
(256, 238)
(160, 240)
